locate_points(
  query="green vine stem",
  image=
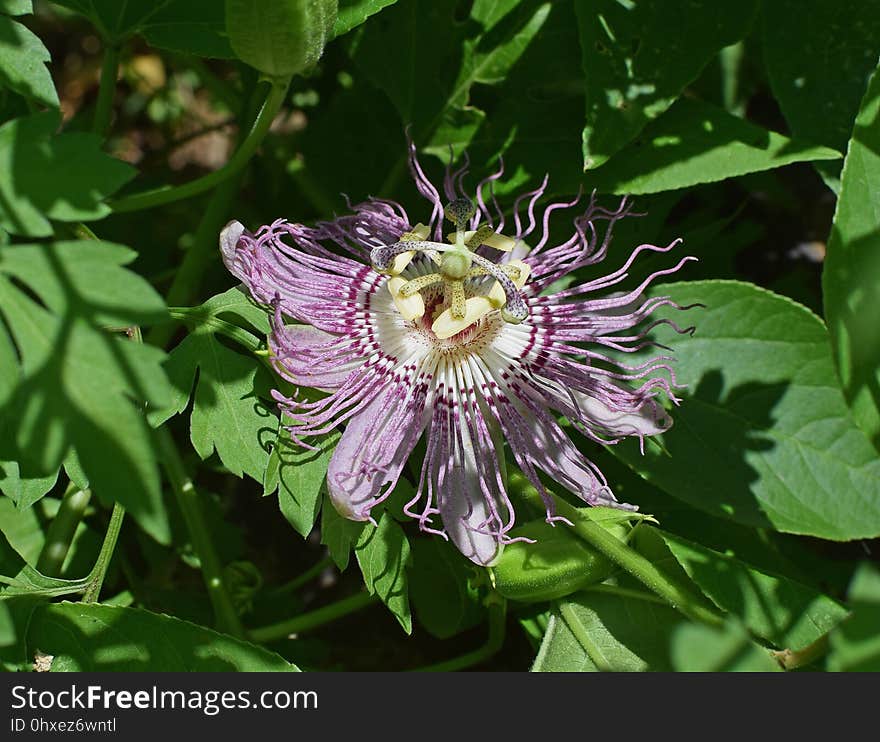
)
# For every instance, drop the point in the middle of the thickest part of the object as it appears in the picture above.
(678, 595)
(168, 194)
(625, 592)
(790, 659)
(102, 564)
(62, 529)
(195, 317)
(497, 624)
(106, 90)
(99, 571)
(189, 276)
(313, 619)
(305, 578)
(212, 570)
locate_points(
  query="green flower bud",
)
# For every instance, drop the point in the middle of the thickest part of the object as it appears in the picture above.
(280, 37)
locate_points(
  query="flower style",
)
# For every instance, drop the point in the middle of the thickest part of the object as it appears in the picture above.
(464, 338)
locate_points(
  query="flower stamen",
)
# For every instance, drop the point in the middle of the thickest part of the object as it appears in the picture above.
(457, 263)
(417, 284)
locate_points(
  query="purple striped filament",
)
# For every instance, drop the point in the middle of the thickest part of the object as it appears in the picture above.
(460, 339)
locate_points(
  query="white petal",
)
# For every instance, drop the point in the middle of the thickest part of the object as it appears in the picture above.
(649, 419)
(229, 240)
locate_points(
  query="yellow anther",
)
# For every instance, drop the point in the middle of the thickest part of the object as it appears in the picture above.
(417, 284)
(401, 261)
(419, 233)
(500, 242)
(492, 239)
(457, 299)
(446, 325)
(519, 274)
(410, 307)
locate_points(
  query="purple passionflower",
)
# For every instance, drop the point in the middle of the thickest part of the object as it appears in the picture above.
(462, 338)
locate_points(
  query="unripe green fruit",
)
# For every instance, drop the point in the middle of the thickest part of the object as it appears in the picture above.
(558, 564)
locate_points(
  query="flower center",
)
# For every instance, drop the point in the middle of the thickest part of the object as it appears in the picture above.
(460, 274)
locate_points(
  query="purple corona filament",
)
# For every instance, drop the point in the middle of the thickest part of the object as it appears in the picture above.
(460, 339)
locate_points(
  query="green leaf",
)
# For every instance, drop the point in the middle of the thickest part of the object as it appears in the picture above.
(430, 82)
(819, 56)
(115, 20)
(192, 26)
(339, 534)
(15, 615)
(86, 277)
(301, 475)
(784, 612)
(382, 552)
(10, 373)
(90, 637)
(763, 435)
(695, 142)
(443, 600)
(280, 37)
(23, 491)
(377, 141)
(22, 530)
(855, 644)
(352, 13)
(82, 175)
(851, 278)
(84, 386)
(17, 578)
(639, 56)
(23, 542)
(23, 63)
(16, 7)
(696, 648)
(538, 115)
(228, 416)
(592, 632)
(236, 305)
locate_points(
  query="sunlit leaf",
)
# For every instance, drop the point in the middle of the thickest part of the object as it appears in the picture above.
(851, 279)
(695, 142)
(90, 637)
(84, 385)
(639, 56)
(855, 645)
(352, 13)
(696, 648)
(16, 7)
(228, 415)
(300, 475)
(763, 434)
(593, 632)
(82, 176)
(23, 63)
(382, 552)
(338, 534)
(788, 614)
